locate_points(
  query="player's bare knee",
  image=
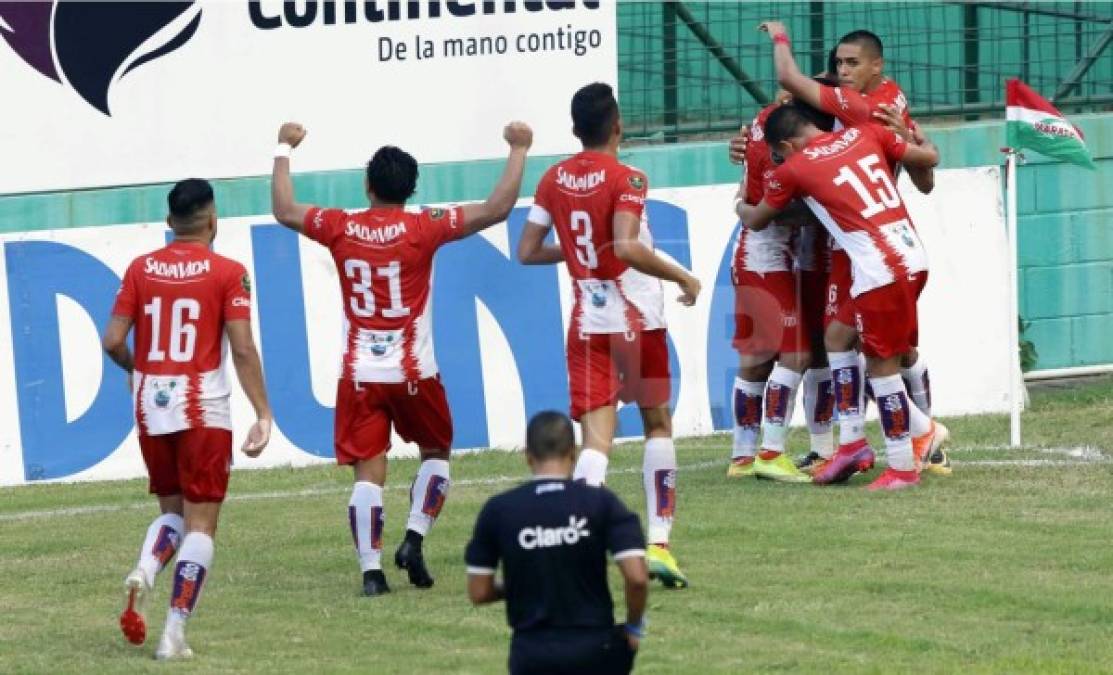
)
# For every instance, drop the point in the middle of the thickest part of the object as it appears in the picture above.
(434, 453)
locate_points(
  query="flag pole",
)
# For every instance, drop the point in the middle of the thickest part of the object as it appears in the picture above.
(1016, 383)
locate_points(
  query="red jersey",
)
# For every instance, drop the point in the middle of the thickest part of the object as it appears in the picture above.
(580, 196)
(845, 179)
(767, 250)
(179, 298)
(853, 108)
(384, 259)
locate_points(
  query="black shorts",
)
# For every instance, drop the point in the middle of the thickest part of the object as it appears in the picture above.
(584, 651)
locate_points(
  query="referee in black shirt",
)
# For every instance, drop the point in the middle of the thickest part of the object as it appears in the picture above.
(552, 536)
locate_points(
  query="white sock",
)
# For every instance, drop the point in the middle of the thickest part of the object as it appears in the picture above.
(847, 382)
(919, 384)
(659, 479)
(163, 537)
(427, 495)
(195, 559)
(780, 400)
(819, 407)
(365, 515)
(747, 417)
(894, 408)
(591, 467)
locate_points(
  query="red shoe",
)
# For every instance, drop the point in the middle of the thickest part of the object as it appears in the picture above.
(891, 479)
(849, 459)
(132, 623)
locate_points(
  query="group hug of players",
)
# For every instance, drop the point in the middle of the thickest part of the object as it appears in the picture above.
(822, 164)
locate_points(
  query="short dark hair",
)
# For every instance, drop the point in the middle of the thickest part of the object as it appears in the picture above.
(594, 111)
(833, 62)
(549, 435)
(786, 122)
(392, 174)
(865, 39)
(188, 197)
(817, 117)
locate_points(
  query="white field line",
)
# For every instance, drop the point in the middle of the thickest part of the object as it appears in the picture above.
(1072, 457)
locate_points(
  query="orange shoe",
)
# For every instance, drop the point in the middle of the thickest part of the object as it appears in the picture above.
(922, 445)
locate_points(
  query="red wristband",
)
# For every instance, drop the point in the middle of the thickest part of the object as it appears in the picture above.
(781, 39)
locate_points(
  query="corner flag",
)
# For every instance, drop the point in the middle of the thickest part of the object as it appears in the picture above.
(1034, 123)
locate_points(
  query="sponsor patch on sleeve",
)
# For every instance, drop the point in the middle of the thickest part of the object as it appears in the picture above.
(245, 281)
(636, 182)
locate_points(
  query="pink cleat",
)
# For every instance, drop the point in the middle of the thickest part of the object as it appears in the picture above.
(891, 479)
(849, 459)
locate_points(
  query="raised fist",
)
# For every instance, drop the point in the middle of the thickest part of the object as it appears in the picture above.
(292, 133)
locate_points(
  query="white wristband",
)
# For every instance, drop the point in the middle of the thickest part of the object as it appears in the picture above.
(283, 150)
(737, 203)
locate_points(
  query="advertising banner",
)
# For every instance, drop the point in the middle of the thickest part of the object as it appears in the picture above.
(499, 329)
(119, 93)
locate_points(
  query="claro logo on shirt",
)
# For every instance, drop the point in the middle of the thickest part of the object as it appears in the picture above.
(544, 537)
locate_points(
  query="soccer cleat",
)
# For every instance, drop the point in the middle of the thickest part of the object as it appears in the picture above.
(936, 461)
(132, 620)
(849, 459)
(741, 467)
(408, 557)
(780, 468)
(173, 646)
(891, 479)
(374, 583)
(663, 566)
(810, 462)
(922, 444)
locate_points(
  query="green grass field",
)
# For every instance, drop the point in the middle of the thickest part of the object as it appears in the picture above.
(1004, 567)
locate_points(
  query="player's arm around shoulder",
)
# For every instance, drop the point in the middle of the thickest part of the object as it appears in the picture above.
(285, 209)
(245, 357)
(497, 206)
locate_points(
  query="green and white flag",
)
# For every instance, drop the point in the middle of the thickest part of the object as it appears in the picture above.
(1034, 123)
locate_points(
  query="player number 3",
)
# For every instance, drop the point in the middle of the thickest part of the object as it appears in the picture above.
(585, 247)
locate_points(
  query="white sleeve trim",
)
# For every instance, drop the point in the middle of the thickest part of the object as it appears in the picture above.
(486, 571)
(629, 553)
(539, 216)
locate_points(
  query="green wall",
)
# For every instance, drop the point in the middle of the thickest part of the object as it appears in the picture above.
(925, 47)
(1066, 223)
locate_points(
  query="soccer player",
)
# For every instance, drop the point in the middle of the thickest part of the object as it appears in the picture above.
(616, 346)
(552, 536)
(771, 336)
(183, 300)
(845, 178)
(864, 95)
(384, 258)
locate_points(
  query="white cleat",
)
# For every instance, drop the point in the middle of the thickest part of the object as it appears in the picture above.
(173, 646)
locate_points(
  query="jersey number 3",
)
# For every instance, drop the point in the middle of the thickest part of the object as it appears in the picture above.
(362, 302)
(585, 247)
